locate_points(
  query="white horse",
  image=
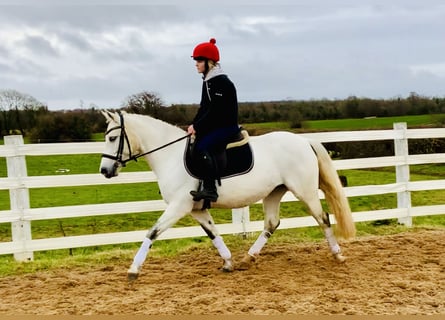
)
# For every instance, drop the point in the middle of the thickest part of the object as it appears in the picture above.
(283, 161)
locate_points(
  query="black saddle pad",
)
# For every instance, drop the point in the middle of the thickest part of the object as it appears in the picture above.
(239, 161)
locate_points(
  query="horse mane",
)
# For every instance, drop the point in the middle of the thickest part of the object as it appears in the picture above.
(156, 121)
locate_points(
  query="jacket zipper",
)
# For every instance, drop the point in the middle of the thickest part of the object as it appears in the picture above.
(208, 93)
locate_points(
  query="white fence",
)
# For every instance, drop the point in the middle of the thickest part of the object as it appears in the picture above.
(21, 215)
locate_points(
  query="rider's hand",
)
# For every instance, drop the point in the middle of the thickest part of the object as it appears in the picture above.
(191, 130)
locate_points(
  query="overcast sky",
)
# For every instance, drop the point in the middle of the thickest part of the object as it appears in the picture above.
(85, 53)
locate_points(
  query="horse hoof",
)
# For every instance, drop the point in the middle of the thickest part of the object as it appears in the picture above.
(246, 262)
(228, 266)
(132, 277)
(339, 257)
(132, 274)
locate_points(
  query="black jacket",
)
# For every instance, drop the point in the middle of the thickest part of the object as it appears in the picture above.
(218, 107)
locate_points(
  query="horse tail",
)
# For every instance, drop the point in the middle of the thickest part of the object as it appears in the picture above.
(334, 194)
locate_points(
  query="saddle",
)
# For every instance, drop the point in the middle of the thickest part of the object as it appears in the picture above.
(238, 154)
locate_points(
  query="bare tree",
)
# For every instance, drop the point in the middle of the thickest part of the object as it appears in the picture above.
(17, 110)
(144, 103)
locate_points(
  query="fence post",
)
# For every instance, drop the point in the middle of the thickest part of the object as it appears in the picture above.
(19, 199)
(402, 173)
(241, 216)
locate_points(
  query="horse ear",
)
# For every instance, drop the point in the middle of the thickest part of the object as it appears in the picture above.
(108, 115)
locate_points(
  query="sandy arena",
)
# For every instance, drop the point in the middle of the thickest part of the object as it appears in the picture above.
(398, 274)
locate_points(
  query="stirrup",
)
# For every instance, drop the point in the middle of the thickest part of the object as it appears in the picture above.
(202, 195)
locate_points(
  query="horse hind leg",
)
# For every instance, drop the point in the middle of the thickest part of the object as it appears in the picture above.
(322, 218)
(271, 207)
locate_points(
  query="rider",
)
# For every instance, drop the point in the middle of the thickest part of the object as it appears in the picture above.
(216, 120)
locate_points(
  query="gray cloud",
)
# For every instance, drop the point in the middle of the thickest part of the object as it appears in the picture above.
(100, 54)
(91, 17)
(74, 39)
(39, 45)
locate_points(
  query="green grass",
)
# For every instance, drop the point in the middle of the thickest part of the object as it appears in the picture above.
(81, 164)
(269, 126)
(378, 123)
(371, 123)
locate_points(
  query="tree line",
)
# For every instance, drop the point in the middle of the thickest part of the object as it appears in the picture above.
(21, 113)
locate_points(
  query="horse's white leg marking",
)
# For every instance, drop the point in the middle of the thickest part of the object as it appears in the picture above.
(271, 207)
(170, 216)
(206, 221)
(140, 256)
(223, 251)
(259, 243)
(322, 219)
(333, 244)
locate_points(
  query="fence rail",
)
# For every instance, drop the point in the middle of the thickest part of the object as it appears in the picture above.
(21, 214)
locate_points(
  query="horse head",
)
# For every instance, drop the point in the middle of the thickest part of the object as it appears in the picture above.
(118, 144)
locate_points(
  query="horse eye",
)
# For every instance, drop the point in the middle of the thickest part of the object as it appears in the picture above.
(113, 138)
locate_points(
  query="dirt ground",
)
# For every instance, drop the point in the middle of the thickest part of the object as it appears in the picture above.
(397, 274)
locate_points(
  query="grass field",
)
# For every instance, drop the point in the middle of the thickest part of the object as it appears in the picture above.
(353, 124)
(81, 164)
(375, 123)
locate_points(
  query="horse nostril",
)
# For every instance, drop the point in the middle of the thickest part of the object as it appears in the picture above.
(103, 171)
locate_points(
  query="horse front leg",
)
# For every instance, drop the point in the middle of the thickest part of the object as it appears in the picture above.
(206, 221)
(271, 207)
(170, 216)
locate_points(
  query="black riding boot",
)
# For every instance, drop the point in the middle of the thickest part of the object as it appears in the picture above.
(209, 188)
(207, 193)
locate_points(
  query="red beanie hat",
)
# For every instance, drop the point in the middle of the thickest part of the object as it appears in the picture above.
(207, 50)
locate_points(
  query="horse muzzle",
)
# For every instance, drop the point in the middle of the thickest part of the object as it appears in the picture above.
(106, 173)
(110, 171)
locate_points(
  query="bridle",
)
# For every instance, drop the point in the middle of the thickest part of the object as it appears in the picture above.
(123, 138)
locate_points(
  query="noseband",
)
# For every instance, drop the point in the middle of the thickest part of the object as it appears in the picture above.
(123, 138)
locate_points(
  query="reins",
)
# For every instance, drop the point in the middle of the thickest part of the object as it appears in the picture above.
(124, 138)
(161, 147)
